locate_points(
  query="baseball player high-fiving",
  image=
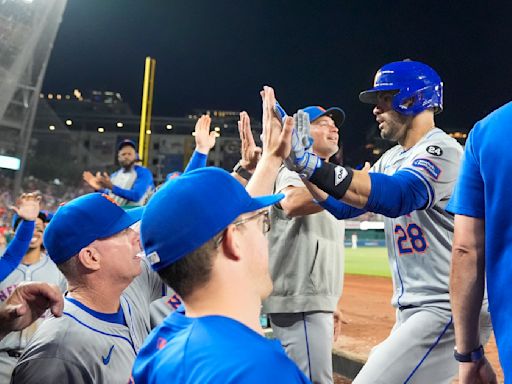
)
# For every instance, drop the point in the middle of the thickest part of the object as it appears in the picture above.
(410, 185)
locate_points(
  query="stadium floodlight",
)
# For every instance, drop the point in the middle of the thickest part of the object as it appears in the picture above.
(119, 124)
(69, 122)
(168, 126)
(10, 162)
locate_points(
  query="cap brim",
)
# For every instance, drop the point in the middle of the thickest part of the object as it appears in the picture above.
(264, 201)
(337, 114)
(129, 218)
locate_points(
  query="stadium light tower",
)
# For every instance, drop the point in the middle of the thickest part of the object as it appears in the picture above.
(28, 31)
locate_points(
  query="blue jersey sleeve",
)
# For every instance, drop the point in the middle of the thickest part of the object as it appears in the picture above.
(339, 209)
(396, 195)
(468, 196)
(143, 182)
(16, 248)
(198, 160)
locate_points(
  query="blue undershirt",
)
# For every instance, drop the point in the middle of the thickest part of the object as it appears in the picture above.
(117, 318)
(391, 196)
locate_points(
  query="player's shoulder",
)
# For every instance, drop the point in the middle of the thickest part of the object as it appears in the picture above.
(438, 143)
(51, 339)
(141, 170)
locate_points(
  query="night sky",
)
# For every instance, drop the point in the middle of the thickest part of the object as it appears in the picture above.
(217, 54)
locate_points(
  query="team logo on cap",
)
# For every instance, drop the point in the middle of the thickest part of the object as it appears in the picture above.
(153, 258)
(109, 199)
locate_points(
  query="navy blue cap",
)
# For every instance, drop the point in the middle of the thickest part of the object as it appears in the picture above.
(335, 113)
(78, 223)
(126, 142)
(190, 210)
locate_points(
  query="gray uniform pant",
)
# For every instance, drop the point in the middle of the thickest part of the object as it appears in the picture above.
(419, 349)
(307, 338)
(7, 364)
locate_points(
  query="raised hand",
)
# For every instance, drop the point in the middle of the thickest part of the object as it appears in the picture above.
(276, 138)
(28, 206)
(27, 303)
(249, 151)
(301, 159)
(103, 180)
(205, 140)
(90, 179)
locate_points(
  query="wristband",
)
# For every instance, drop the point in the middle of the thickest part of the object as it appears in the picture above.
(474, 355)
(242, 172)
(333, 179)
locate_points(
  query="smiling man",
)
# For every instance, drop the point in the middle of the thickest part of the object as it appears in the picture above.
(306, 260)
(106, 309)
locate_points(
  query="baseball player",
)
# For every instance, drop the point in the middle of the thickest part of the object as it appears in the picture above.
(35, 266)
(410, 185)
(307, 279)
(106, 310)
(482, 246)
(28, 211)
(217, 261)
(129, 186)
(205, 141)
(306, 261)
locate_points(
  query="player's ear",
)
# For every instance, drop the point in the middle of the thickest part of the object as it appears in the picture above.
(90, 258)
(230, 245)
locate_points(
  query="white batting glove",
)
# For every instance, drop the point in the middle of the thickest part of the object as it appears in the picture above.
(301, 159)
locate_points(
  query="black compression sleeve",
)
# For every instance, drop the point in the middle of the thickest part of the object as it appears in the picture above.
(333, 179)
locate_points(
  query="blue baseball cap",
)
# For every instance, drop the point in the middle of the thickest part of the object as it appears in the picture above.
(190, 210)
(127, 142)
(78, 223)
(335, 113)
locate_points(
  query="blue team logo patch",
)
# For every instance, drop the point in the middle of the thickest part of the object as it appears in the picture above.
(432, 169)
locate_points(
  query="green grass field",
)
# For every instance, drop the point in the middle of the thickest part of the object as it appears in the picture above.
(372, 261)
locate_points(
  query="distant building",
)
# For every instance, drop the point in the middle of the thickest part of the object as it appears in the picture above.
(78, 131)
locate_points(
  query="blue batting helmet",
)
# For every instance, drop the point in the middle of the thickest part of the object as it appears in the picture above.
(413, 81)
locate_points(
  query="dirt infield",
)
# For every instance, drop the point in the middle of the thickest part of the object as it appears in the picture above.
(366, 307)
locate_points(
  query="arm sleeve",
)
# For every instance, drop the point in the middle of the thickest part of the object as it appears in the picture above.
(198, 160)
(16, 248)
(50, 370)
(468, 196)
(339, 209)
(143, 182)
(397, 195)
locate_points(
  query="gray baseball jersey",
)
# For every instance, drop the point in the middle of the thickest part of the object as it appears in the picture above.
(420, 346)
(419, 243)
(164, 306)
(44, 270)
(79, 347)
